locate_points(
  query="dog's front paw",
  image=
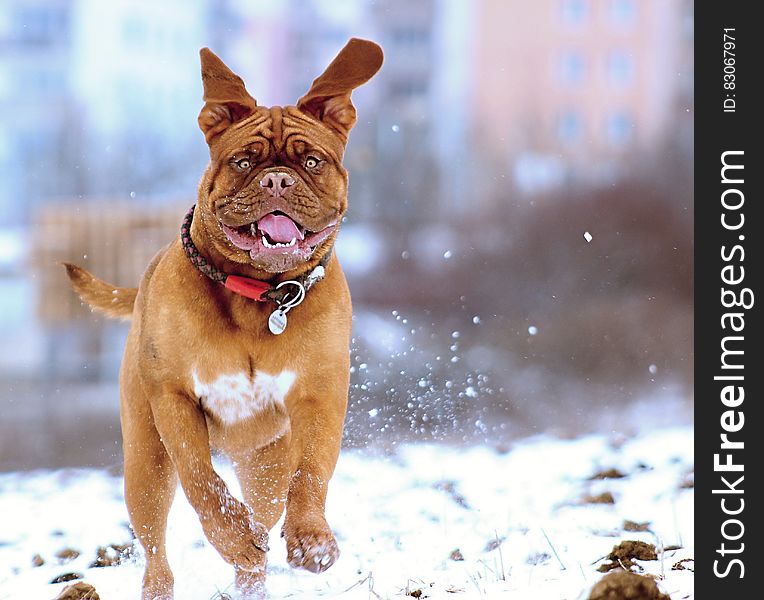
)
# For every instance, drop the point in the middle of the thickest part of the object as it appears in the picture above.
(310, 543)
(238, 537)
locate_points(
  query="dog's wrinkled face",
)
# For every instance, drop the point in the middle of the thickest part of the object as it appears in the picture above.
(275, 191)
(279, 188)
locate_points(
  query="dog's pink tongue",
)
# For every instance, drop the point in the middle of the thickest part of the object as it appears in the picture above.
(279, 228)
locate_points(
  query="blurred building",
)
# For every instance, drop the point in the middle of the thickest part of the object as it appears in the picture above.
(413, 118)
(36, 104)
(475, 101)
(280, 48)
(135, 80)
(87, 88)
(422, 107)
(578, 87)
(98, 100)
(478, 106)
(685, 94)
(544, 91)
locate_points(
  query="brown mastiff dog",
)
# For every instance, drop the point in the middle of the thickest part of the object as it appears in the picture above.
(211, 360)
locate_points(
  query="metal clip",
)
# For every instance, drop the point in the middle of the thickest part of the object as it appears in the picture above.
(277, 322)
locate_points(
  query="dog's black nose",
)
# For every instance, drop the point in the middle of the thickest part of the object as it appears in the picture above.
(276, 182)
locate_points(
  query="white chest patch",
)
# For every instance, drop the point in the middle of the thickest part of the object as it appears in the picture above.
(236, 396)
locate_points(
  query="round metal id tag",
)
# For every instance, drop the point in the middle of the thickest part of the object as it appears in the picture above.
(277, 322)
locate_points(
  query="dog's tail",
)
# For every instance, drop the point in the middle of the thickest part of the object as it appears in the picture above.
(112, 301)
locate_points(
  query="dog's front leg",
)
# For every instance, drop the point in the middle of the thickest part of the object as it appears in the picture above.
(317, 435)
(228, 523)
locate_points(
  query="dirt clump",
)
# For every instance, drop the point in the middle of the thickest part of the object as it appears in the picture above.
(636, 526)
(537, 558)
(624, 585)
(680, 565)
(603, 498)
(449, 487)
(456, 555)
(67, 577)
(78, 591)
(112, 555)
(66, 555)
(37, 560)
(493, 544)
(607, 474)
(623, 555)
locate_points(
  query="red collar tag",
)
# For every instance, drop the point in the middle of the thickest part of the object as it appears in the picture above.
(248, 287)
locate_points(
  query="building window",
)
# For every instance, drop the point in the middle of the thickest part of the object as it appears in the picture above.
(40, 82)
(623, 13)
(570, 127)
(620, 127)
(40, 24)
(410, 38)
(6, 88)
(620, 68)
(572, 68)
(134, 32)
(408, 88)
(574, 12)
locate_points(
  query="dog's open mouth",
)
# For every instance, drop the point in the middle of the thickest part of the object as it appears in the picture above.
(275, 235)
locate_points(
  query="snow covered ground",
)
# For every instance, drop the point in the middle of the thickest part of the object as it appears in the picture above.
(518, 520)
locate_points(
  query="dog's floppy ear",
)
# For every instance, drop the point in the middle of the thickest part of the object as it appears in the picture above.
(226, 100)
(329, 97)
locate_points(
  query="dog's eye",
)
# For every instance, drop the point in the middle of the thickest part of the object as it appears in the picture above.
(311, 162)
(243, 164)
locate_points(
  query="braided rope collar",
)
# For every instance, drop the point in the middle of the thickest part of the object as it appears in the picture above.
(258, 290)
